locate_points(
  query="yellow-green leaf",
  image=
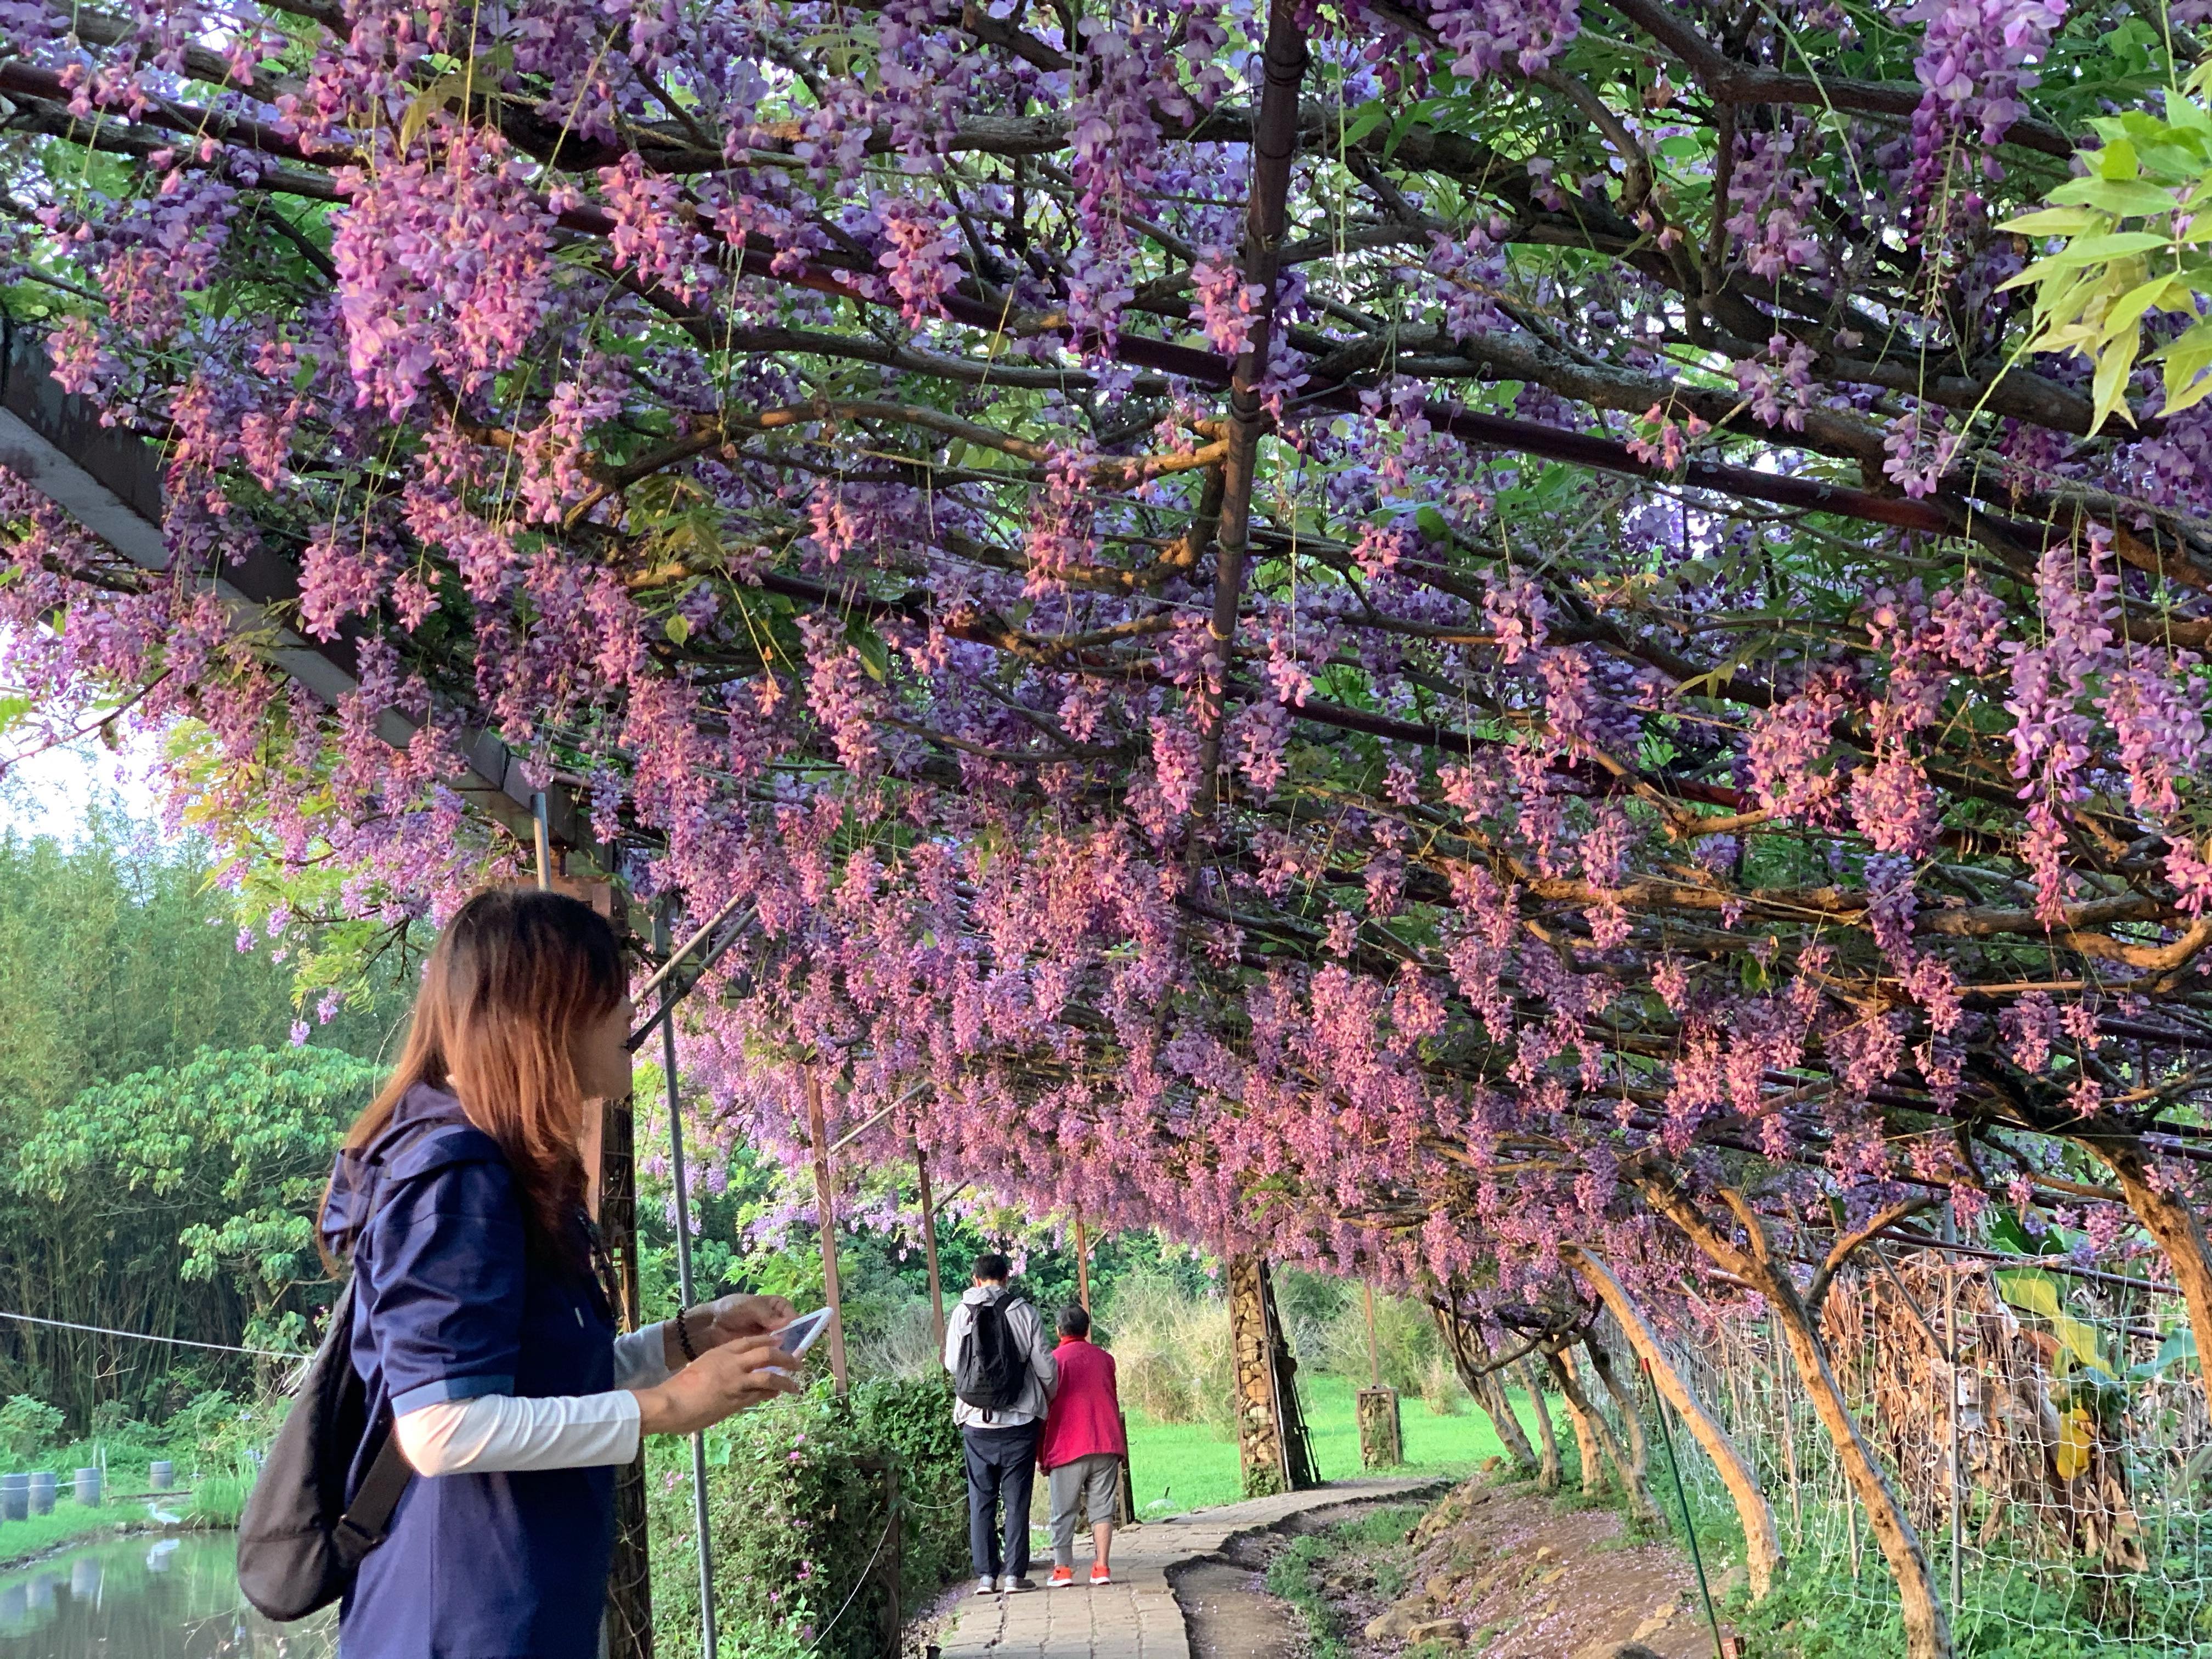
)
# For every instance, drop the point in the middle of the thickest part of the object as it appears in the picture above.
(2110, 388)
(2035, 1291)
(2077, 1433)
(2122, 197)
(2186, 358)
(2058, 221)
(2127, 311)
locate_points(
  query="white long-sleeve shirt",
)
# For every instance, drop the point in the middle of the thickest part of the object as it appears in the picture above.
(500, 1433)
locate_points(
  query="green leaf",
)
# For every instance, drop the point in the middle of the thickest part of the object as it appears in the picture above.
(2121, 197)
(2102, 250)
(2186, 357)
(1369, 118)
(678, 629)
(2179, 1347)
(868, 645)
(2058, 221)
(2032, 1291)
(2110, 388)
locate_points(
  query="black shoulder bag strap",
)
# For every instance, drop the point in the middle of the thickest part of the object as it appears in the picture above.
(363, 1524)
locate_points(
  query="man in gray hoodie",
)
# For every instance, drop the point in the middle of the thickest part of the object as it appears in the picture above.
(1000, 1440)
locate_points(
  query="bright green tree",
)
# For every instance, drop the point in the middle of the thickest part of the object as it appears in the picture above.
(225, 1157)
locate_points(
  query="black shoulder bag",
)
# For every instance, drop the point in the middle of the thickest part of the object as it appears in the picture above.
(300, 1542)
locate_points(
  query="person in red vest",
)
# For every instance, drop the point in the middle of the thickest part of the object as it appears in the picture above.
(1081, 1449)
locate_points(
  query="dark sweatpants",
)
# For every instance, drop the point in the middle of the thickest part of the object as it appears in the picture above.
(1001, 1465)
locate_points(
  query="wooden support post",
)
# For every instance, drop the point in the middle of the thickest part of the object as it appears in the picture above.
(929, 1244)
(1259, 1426)
(1382, 1432)
(826, 1209)
(1374, 1348)
(629, 1585)
(1082, 1264)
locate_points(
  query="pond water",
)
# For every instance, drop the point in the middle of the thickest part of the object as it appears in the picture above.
(147, 1598)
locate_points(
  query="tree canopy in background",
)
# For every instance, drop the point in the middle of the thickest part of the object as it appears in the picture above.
(1400, 633)
(146, 1186)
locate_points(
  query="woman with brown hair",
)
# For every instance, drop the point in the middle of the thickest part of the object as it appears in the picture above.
(481, 1328)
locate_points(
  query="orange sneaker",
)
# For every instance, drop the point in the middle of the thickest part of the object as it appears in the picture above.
(1099, 1575)
(1060, 1579)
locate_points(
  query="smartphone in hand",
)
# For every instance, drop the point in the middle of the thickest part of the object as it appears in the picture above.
(799, 1335)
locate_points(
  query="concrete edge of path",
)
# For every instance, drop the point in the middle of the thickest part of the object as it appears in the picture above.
(1137, 1617)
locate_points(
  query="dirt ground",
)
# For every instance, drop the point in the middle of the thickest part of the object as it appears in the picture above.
(1505, 1572)
(1228, 1612)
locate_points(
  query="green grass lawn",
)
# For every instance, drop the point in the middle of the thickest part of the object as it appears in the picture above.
(1186, 1466)
(37, 1534)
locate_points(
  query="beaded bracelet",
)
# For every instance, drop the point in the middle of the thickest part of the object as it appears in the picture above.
(683, 1338)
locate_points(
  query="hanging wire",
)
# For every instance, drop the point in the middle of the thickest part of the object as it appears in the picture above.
(145, 1336)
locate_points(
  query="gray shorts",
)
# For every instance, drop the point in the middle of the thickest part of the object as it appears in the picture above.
(1090, 1484)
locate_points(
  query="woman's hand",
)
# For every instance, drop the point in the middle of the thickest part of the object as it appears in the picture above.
(734, 1376)
(727, 1319)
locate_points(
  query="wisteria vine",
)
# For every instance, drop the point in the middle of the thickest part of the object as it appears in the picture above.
(1646, 722)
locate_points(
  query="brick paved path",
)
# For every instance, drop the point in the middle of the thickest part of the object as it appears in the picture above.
(1135, 1617)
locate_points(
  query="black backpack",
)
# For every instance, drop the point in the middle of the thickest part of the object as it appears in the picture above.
(300, 1542)
(993, 1369)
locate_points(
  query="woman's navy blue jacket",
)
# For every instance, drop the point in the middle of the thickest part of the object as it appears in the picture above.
(450, 1305)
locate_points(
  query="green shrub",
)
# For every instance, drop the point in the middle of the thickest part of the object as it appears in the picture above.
(1406, 1341)
(1171, 1350)
(28, 1426)
(796, 1504)
(218, 1500)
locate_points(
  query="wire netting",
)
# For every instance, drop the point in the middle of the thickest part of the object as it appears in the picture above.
(2044, 1431)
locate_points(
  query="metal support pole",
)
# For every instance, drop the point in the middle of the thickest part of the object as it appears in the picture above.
(1721, 1649)
(707, 1643)
(629, 1583)
(542, 835)
(929, 1245)
(826, 1209)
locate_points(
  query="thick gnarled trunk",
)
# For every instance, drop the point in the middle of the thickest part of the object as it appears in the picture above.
(1548, 1468)
(1624, 1401)
(1594, 1436)
(1763, 1558)
(1479, 1374)
(1927, 1625)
